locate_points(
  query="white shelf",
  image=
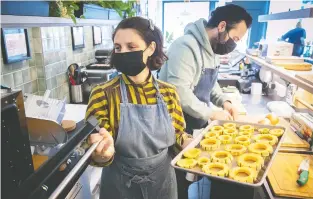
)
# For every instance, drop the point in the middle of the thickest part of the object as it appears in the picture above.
(11, 21)
(293, 14)
(287, 75)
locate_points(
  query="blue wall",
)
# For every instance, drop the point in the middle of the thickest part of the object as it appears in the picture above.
(255, 8)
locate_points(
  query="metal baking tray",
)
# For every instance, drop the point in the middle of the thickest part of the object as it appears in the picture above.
(196, 144)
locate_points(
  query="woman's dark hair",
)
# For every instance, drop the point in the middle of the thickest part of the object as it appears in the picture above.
(149, 33)
(231, 14)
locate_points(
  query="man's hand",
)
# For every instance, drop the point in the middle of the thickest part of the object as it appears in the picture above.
(231, 109)
(221, 115)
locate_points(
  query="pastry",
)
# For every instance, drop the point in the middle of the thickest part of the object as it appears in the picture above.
(243, 174)
(187, 163)
(266, 138)
(244, 140)
(236, 149)
(212, 134)
(210, 144)
(225, 139)
(264, 130)
(68, 125)
(230, 132)
(216, 169)
(252, 160)
(246, 133)
(221, 157)
(217, 129)
(246, 128)
(229, 126)
(277, 132)
(192, 153)
(263, 149)
(203, 161)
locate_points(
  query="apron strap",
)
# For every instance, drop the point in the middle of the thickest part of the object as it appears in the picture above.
(124, 90)
(158, 93)
(202, 60)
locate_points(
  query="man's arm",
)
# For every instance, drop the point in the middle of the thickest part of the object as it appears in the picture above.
(287, 35)
(217, 96)
(182, 67)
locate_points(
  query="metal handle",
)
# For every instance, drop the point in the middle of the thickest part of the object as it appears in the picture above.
(73, 172)
(95, 77)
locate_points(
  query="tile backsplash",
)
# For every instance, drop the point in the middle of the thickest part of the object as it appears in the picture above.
(52, 53)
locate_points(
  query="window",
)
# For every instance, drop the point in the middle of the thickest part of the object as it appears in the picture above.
(178, 14)
(275, 29)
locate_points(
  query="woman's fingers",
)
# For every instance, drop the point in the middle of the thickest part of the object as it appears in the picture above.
(99, 148)
(107, 142)
(95, 137)
(105, 148)
(103, 132)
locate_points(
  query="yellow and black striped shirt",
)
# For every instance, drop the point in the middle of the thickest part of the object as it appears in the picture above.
(105, 99)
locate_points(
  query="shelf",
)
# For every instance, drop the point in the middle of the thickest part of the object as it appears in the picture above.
(11, 21)
(294, 14)
(287, 75)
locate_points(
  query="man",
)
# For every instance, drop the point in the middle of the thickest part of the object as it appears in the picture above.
(296, 37)
(193, 66)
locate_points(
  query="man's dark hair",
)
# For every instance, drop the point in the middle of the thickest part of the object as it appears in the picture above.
(231, 14)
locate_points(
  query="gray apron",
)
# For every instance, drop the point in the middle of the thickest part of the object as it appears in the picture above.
(202, 91)
(141, 166)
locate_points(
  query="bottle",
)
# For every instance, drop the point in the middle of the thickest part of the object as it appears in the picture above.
(291, 90)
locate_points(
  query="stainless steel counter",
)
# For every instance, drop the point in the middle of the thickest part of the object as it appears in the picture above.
(256, 105)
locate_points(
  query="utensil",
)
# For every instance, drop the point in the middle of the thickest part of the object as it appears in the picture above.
(303, 172)
(71, 80)
(73, 73)
(77, 76)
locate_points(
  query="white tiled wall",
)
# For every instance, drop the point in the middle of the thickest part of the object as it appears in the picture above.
(52, 53)
(21, 75)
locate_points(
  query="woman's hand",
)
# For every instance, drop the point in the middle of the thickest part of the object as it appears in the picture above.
(187, 142)
(105, 150)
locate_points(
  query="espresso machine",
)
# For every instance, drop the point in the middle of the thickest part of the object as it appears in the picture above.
(98, 72)
(103, 60)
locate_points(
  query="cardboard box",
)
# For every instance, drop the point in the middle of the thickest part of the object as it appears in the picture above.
(279, 48)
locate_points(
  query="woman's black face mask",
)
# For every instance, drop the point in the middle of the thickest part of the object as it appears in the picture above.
(129, 63)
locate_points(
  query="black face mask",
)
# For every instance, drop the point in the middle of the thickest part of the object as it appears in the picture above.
(129, 63)
(223, 48)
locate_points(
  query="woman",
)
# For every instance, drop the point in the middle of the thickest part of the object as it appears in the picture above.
(139, 116)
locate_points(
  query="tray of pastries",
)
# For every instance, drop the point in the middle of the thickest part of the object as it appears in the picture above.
(232, 151)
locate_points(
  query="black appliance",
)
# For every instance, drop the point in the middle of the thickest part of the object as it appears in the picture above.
(55, 178)
(97, 73)
(103, 60)
(16, 159)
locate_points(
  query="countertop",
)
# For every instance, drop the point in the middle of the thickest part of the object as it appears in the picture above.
(256, 105)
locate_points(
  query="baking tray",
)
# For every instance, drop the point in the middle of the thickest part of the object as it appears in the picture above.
(196, 144)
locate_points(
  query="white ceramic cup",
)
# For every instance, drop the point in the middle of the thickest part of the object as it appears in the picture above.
(256, 89)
